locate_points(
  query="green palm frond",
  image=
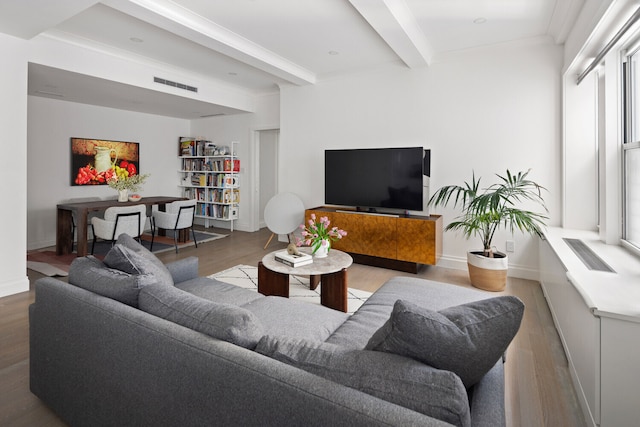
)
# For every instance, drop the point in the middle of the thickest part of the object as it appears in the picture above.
(485, 211)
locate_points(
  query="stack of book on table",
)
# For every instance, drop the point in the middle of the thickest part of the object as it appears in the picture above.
(293, 260)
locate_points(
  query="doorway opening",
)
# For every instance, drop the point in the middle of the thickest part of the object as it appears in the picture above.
(267, 174)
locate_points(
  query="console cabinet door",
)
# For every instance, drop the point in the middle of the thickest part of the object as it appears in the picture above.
(419, 240)
(372, 235)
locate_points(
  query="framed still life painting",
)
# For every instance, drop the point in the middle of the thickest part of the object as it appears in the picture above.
(93, 161)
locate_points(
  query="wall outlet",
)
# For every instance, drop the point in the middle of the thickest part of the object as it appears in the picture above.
(511, 246)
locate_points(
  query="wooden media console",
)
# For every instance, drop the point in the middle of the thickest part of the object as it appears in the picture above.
(399, 242)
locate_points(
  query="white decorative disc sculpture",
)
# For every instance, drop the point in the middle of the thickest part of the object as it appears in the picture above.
(283, 213)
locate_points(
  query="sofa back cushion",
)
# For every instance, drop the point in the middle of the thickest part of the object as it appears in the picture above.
(400, 380)
(91, 274)
(131, 257)
(467, 339)
(226, 322)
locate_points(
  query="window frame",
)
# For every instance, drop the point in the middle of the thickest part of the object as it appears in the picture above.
(630, 91)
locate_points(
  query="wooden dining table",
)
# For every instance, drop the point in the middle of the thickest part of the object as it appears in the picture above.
(66, 211)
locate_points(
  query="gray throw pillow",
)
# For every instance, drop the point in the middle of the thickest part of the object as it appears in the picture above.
(400, 380)
(91, 274)
(222, 321)
(467, 339)
(131, 257)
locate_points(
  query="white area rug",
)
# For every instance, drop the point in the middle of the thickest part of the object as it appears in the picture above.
(246, 276)
(46, 269)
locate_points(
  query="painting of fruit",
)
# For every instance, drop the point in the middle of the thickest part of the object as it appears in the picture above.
(95, 161)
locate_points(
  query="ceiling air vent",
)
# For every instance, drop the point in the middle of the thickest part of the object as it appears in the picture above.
(175, 84)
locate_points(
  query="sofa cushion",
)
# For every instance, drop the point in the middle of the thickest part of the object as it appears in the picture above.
(296, 319)
(91, 274)
(215, 290)
(401, 380)
(222, 321)
(467, 339)
(131, 257)
(356, 332)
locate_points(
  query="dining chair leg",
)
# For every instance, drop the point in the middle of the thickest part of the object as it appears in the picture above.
(175, 239)
(193, 233)
(153, 232)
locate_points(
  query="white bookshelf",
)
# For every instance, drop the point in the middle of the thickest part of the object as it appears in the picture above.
(209, 173)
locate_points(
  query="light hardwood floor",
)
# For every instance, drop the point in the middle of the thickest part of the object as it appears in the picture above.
(538, 387)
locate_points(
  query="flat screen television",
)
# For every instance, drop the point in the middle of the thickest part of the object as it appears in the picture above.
(375, 179)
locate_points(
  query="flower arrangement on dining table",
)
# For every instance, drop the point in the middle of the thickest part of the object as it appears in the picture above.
(318, 233)
(125, 177)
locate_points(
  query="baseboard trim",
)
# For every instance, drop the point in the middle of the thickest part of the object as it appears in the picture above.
(14, 287)
(515, 270)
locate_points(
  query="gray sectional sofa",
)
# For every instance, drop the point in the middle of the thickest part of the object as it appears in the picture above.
(131, 342)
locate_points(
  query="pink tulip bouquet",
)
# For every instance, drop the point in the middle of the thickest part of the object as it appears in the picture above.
(315, 232)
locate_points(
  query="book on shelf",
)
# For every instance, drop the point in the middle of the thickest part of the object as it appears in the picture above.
(186, 146)
(209, 148)
(232, 165)
(293, 260)
(226, 195)
(193, 146)
(233, 212)
(229, 181)
(198, 180)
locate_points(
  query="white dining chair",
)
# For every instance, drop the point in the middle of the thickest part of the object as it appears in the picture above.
(177, 216)
(118, 220)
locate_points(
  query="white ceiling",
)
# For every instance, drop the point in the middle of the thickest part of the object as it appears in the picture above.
(260, 44)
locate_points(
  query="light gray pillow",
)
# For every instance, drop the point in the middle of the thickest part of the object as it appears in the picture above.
(222, 321)
(400, 380)
(131, 257)
(91, 274)
(467, 339)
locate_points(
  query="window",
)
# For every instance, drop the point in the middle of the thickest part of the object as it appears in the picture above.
(631, 149)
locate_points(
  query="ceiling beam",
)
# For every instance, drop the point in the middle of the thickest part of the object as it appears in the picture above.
(394, 22)
(20, 19)
(178, 20)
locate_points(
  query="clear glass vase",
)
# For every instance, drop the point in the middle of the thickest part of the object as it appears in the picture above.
(323, 249)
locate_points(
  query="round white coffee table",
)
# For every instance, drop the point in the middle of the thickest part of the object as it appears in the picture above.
(273, 277)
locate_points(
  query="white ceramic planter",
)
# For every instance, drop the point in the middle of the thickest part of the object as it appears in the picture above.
(487, 273)
(123, 195)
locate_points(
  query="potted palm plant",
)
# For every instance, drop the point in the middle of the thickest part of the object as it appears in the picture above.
(484, 211)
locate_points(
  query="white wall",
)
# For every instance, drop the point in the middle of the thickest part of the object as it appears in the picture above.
(483, 111)
(579, 154)
(50, 125)
(13, 185)
(243, 129)
(268, 170)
